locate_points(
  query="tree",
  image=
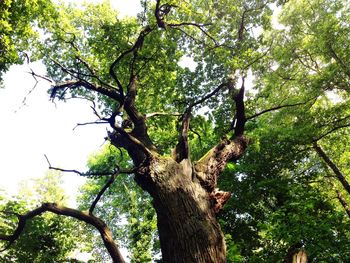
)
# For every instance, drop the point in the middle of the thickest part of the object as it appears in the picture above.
(130, 70)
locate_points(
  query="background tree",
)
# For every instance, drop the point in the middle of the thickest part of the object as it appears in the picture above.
(283, 184)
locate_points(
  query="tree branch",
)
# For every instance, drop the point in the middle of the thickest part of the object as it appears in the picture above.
(341, 178)
(105, 232)
(209, 167)
(90, 123)
(158, 113)
(343, 202)
(199, 26)
(102, 191)
(331, 131)
(275, 108)
(182, 150)
(137, 45)
(123, 171)
(208, 96)
(72, 84)
(240, 119)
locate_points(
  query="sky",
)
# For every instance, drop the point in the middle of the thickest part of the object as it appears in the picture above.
(40, 127)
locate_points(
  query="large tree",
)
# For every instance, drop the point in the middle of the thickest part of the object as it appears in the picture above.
(133, 73)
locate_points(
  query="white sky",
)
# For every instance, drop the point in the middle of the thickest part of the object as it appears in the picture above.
(41, 127)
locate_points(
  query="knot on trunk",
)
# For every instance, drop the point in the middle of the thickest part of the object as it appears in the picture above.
(219, 199)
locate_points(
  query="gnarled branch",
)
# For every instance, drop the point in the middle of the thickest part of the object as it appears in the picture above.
(209, 167)
(88, 218)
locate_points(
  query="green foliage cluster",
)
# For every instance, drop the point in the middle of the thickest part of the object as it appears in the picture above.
(18, 23)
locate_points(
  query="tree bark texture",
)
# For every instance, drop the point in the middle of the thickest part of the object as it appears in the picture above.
(186, 200)
(187, 225)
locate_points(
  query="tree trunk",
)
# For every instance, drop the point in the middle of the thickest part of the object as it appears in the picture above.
(296, 254)
(186, 212)
(300, 257)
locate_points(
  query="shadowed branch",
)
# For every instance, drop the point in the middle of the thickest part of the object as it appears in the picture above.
(90, 219)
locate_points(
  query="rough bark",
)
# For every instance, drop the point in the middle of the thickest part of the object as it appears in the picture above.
(300, 257)
(187, 225)
(186, 201)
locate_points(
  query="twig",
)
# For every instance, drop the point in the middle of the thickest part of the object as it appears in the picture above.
(155, 114)
(90, 123)
(277, 108)
(123, 171)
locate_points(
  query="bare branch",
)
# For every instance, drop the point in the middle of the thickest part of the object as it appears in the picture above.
(102, 191)
(90, 123)
(275, 108)
(72, 84)
(124, 171)
(39, 76)
(158, 113)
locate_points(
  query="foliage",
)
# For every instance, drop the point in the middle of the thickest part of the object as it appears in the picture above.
(282, 191)
(18, 24)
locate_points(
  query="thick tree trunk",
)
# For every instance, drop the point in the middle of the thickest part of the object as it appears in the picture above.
(187, 225)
